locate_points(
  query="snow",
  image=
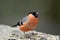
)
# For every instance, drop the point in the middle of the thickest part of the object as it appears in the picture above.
(9, 33)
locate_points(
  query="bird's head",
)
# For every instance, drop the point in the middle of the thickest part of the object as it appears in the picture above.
(35, 14)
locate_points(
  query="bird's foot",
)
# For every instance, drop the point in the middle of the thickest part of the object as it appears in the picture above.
(29, 34)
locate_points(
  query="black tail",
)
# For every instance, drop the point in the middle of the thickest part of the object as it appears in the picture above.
(16, 25)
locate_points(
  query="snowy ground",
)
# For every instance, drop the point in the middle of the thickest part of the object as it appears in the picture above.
(9, 33)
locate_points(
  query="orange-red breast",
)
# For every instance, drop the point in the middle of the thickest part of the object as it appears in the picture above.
(28, 23)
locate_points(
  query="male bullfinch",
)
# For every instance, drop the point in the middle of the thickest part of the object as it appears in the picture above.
(28, 23)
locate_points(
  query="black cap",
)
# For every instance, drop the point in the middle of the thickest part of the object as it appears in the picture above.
(34, 13)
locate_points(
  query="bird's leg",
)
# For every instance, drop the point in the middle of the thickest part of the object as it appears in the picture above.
(24, 33)
(33, 33)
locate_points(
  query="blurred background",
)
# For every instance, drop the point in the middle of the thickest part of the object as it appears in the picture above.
(11, 11)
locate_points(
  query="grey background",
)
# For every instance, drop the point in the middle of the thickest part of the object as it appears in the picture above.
(11, 11)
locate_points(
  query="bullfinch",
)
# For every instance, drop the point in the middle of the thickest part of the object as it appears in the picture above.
(28, 23)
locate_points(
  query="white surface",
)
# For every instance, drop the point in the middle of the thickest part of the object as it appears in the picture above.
(6, 31)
